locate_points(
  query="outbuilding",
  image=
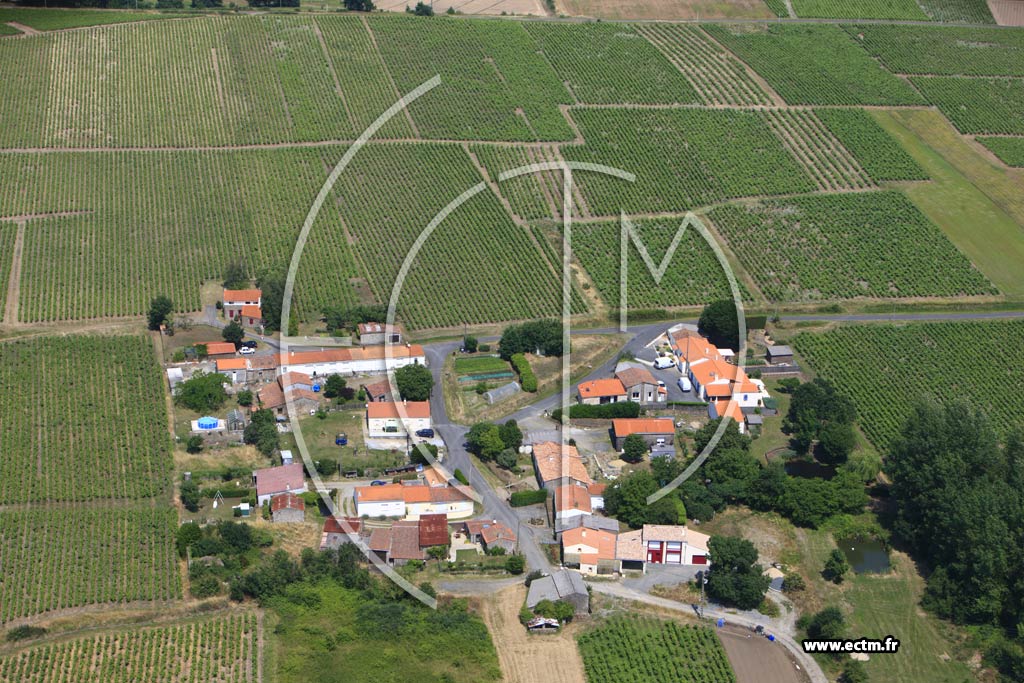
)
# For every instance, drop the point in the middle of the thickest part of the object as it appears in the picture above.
(287, 507)
(778, 353)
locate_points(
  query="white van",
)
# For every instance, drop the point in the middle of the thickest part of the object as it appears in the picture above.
(662, 362)
(684, 384)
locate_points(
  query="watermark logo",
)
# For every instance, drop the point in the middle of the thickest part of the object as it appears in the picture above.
(478, 490)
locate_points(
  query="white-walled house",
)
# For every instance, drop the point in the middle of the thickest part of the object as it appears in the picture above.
(354, 361)
(234, 300)
(272, 481)
(661, 544)
(383, 419)
(411, 501)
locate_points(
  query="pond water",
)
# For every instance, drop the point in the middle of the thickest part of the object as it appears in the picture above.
(866, 555)
(809, 469)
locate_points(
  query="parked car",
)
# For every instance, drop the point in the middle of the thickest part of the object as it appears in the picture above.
(662, 362)
(425, 433)
(249, 344)
(247, 350)
(684, 384)
(378, 482)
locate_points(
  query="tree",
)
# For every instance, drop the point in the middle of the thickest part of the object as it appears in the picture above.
(793, 582)
(233, 333)
(334, 386)
(634, 448)
(159, 309)
(236, 275)
(719, 323)
(437, 552)
(271, 283)
(262, 432)
(423, 10)
(511, 435)
(853, 672)
(484, 439)
(735, 579)
(190, 495)
(188, 533)
(731, 473)
(540, 336)
(626, 499)
(359, 5)
(506, 459)
(470, 344)
(338, 318)
(416, 456)
(244, 398)
(828, 624)
(835, 442)
(194, 444)
(202, 392)
(731, 437)
(836, 566)
(813, 406)
(515, 564)
(414, 382)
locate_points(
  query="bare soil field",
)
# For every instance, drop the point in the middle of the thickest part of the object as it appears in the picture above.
(757, 660)
(1007, 12)
(666, 9)
(526, 658)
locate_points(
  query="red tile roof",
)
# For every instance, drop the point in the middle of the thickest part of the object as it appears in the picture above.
(219, 348)
(378, 389)
(337, 525)
(288, 501)
(388, 410)
(433, 530)
(490, 530)
(237, 296)
(230, 364)
(624, 426)
(572, 498)
(279, 479)
(601, 388)
(603, 542)
(630, 377)
(552, 465)
(250, 311)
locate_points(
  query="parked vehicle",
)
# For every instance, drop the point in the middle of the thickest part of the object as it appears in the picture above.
(684, 384)
(249, 344)
(378, 482)
(247, 350)
(662, 362)
(425, 433)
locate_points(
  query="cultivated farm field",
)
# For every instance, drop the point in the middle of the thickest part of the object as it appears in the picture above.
(218, 650)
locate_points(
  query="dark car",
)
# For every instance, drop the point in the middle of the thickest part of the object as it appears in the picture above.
(249, 344)
(425, 433)
(378, 482)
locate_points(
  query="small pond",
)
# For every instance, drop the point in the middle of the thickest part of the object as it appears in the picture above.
(865, 554)
(809, 469)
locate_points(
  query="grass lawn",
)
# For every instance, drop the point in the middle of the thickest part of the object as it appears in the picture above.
(319, 435)
(978, 205)
(771, 436)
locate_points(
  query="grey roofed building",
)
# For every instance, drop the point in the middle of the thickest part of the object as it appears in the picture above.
(560, 585)
(779, 353)
(663, 451)
(589, 522)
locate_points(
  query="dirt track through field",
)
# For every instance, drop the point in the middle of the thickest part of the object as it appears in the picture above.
(526, 658)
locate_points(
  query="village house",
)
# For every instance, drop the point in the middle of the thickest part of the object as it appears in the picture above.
(590, 550)
(358, 361)
(219, 349)
(383, 419)
(490, 533)
(409, 540)
(378, 392)
(571, 501)
(371, 334)
(235, 369)
(271, 481)
(558, 465)
(640, 385)
(237, 303)
(587, 522)
(661, 544)
(656, 431)
(296, 386)
(338, 530)
(411, 500)
(778, 354)
(287, 507)
(600, 391)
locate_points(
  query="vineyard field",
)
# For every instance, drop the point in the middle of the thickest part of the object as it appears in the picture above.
(813, 64)
(970, 11)
(646, 650)
(817, 150)
(532, 196)
(693, 277)
(683, 159)
(859, 9)
(875, 150)
(44, 20)
(611, 64)
(974, 362)
(718, 77)
(217, 650)
(8, 235)
(81, 418)
(943, 51)
(67, 556)
(978, 105)
(1009, 150)
(870, 244)
(778, 7)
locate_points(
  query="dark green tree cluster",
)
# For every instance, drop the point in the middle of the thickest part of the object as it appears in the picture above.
(262, 432)
(735, 578)
(202, 392)
(634, 448)
(414, 382)
(606, 411)
(236, 274)
(719, 323)
(818, 412)
(489, 441)
(626, 500)
(543, 337)
(233, 333)
(159, 310)
(347, 317)
(336, 387)
(271, 283)
(960, 509)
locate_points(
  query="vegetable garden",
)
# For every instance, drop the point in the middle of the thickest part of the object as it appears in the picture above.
(81, 418)
(68, 556)
(218, 650)
(629, 649)
(885, 368)
(825, 247)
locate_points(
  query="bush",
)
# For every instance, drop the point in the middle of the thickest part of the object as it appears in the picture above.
(194, 444)
(484, 348)
(527, 380)
(190, 496)
(532, 576)
(244, 398)
(607, 411)
(793, 582)
(515, 564)
(522, 498)
(206, 586)
(506, 459)
(836, 566)
(525, 615)
(634, 448)
(471, 344)
(19, 633)
(202, 392)
(461, 477)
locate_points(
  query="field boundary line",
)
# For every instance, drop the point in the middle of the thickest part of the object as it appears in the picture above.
(10, 316)
(334, 73)
(391, 79)
(769, 90)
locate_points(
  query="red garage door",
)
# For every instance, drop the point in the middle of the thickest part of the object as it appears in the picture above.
(700, 559)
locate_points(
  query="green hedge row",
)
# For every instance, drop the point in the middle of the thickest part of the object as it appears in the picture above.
(605, 411)
(521, 498)
(527, 380)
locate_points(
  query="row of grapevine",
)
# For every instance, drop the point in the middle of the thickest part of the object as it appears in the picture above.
(693, 277)
(885, 368)
(971, 11)
(881, 157)
(683, 159)
(537, 195)
(1009, 150)
(859, 9)
(977, 105)
(218, 650)
(943, 50)
(610, 64)
(813, 64)
(8, 235)
(59, 557)
(817, 150)
(80, 419)
(778, 7)
(43, 20)
(628, 649)
(718, 77)
(827, 247)
(494, 85)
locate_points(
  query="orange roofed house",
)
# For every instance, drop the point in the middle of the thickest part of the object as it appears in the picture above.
(369, 360)
(243, 306)
(661, 544)
(591, 550)
(600, 391)
(411, 501)
(385, 419)
(654, 430)
(557, 468)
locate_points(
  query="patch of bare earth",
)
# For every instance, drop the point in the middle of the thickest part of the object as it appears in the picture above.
(526, 657)
(666, 9)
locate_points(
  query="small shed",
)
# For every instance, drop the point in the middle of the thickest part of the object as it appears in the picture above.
(287, 507)
(663, 451)
(563, 584)
(501, 393)
(287, 458)
(236, 420)
(779, 353)
(174, 377)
